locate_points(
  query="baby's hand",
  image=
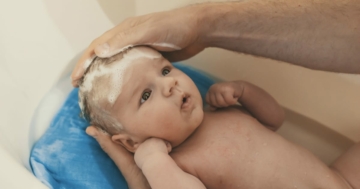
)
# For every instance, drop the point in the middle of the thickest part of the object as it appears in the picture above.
(224, 94)
(149, 149)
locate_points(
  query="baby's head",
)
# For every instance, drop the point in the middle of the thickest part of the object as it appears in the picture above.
(136, 95)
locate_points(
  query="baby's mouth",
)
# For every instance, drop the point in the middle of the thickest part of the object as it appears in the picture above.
(185, 102)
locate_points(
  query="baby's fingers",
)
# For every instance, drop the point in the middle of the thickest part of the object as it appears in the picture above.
(220, 101)
(229, 99)
(207, 98)
(213, 101)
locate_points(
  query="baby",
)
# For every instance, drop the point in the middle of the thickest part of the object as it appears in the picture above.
(155, 111)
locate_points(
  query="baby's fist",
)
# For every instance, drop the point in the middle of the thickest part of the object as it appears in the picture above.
(149, 149)
(224, 94)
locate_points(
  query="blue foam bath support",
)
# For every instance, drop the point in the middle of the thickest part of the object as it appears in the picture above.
(66, 157)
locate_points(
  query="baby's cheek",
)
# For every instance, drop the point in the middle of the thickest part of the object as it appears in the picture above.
(164, 119)
(146, 115)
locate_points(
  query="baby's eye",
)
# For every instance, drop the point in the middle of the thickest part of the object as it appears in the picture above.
(145, 96)
(165, 71)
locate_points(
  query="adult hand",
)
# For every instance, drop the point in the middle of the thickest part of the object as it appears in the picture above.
(175, 33)
(244, 27)
(121, 157)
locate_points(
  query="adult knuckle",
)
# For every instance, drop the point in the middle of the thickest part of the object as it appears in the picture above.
(133, 21)
(120, 36)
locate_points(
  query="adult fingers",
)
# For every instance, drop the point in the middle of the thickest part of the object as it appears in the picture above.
(92, 131)
(114, 150)
(183, 54)
(87, 57)
(90, 53)
(143, 34)
(102, 138)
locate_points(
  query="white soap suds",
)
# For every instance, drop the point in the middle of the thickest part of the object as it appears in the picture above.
(88, 61)
(117, 72)
(169, 45)
(123, 49)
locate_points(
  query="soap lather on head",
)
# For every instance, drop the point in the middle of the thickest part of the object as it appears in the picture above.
(102, 84)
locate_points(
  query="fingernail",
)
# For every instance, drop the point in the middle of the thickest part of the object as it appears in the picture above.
(103, 49)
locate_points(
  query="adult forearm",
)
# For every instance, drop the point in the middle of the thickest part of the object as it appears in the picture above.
(131, 172)
(135, 178)
(317, 34)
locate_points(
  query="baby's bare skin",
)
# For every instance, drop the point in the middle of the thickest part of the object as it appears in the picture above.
(231, 149)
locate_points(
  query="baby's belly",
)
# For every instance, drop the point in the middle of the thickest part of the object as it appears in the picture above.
(238, 152)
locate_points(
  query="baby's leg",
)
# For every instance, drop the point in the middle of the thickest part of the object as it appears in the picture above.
(348, 165)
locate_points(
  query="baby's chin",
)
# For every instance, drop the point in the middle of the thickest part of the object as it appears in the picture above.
(195, 121)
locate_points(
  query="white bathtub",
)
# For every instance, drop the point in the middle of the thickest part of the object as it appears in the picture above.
(39, 42)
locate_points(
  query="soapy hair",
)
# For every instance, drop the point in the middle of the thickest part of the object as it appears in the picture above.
(93, 107)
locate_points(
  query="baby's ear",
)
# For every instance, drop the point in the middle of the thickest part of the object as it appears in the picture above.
(126, 141)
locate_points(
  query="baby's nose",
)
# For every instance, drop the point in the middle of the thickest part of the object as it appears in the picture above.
(169, 85)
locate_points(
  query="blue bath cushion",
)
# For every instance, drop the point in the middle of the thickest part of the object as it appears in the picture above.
(66, 157)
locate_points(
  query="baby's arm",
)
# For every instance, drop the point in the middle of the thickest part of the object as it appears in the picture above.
(261, 105)
(257, 101)
(160, 169)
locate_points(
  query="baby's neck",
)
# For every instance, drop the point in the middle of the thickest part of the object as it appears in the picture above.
(198, 128)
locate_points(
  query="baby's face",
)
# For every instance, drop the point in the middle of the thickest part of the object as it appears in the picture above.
(158, 100)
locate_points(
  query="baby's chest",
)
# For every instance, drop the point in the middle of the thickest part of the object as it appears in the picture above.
(216, 155)
(225, 137)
